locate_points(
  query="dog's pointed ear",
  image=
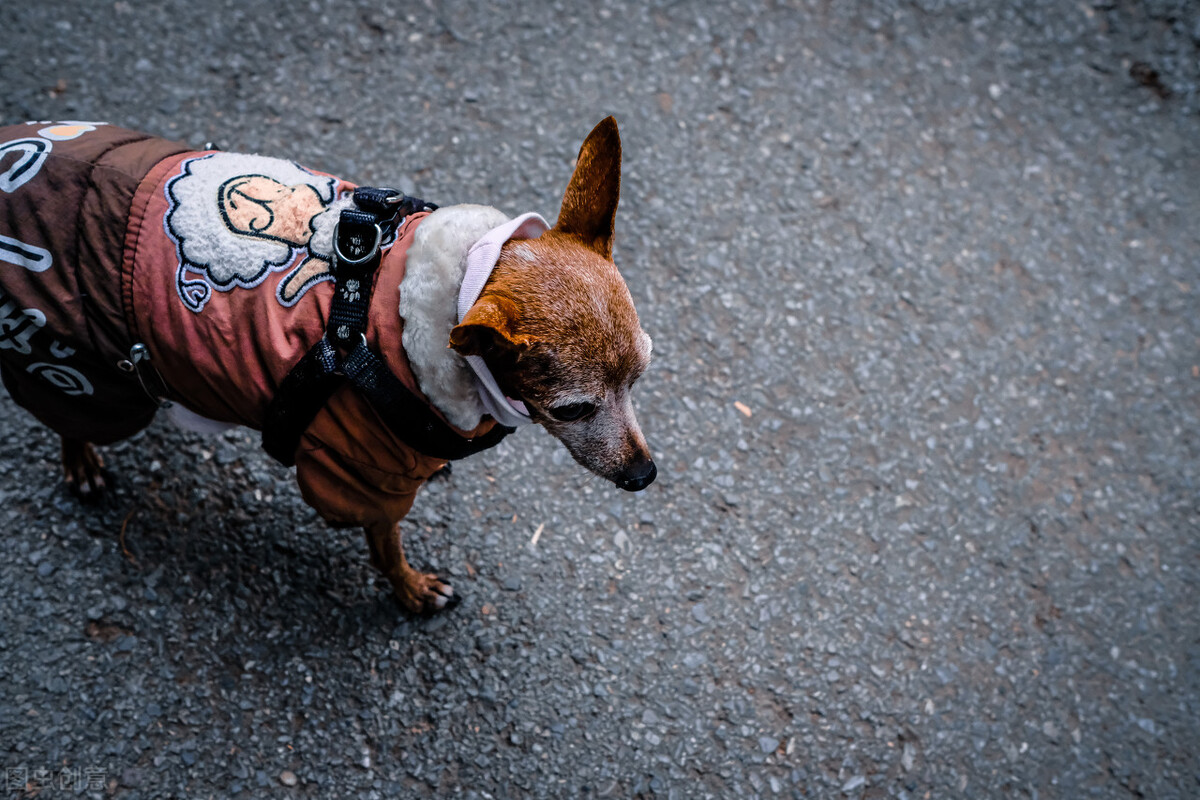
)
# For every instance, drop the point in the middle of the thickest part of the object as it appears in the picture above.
(490, 324)
(589, 205)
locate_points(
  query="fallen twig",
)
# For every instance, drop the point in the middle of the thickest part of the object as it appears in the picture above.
(121, 539)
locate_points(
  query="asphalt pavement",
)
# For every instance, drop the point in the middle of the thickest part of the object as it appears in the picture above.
(922, 279)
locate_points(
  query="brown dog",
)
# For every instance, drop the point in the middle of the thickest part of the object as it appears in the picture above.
(202, 281)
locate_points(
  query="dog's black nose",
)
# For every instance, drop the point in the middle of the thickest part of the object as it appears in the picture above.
(638, 476)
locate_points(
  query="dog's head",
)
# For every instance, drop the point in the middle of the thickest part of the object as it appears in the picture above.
(556, 325)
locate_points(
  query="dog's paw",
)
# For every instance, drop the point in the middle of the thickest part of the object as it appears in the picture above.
(425, 593)
(83, 470)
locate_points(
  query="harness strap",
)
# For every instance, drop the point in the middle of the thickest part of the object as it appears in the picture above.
(303, 393)
(357, 252)
(408, 416)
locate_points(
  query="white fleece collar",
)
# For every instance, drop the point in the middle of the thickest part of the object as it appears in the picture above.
(434, 285)
(481, 260)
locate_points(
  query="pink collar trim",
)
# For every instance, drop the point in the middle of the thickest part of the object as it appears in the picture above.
(481, 260)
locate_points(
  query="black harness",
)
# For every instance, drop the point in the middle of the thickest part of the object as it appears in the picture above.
(341, 355)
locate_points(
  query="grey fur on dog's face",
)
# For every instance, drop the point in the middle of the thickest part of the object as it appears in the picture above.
(584, 408)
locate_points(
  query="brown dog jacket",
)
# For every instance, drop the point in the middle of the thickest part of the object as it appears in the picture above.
(219, 263)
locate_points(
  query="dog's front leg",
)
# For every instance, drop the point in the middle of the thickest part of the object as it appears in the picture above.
(83, 469)
(418, 592)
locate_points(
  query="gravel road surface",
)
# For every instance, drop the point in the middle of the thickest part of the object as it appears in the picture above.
(923, 282)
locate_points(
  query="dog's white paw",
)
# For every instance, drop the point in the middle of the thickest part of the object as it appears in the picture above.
(425, 593)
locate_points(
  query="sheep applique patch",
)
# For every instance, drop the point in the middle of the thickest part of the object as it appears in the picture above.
(237, 219)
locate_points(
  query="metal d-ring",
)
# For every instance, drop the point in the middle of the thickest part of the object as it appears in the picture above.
(354, 262)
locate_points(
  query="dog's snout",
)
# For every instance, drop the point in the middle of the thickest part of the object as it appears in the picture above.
(638, 476)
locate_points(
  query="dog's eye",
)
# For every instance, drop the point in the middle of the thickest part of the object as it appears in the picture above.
(572, 412)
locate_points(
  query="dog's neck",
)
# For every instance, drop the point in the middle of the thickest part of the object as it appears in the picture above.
(429, 294)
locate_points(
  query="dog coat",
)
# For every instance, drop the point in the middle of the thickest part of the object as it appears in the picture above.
(219, 263)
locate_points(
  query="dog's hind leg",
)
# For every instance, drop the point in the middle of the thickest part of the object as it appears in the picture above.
(83, 469)
(418, 592)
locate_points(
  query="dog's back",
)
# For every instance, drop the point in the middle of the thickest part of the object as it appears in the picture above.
(65, 195)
